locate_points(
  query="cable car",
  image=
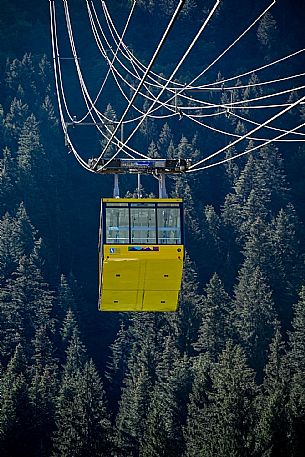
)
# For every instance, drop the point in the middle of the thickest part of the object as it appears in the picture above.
(141, 254)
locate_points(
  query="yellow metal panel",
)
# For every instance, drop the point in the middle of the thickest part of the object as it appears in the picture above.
(163, 275)
(156, 300)
(141, 280)
(121, 274)
(119, 300)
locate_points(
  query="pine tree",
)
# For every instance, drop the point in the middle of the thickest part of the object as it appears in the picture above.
(153, 151)
(8, 192)
(14, 431)
(32, 294)
(287, 270)
(9, 247)
(164, 140)
(253, 315)
(229, 416)
(184, 149)
(14, 121)
(215, 327)
(25, 231)
(195, 432)
(69, 327)
(42, 394)
(186, 322)
(273, 428)
(83, 426)
(297, 386)
(65, 301)
(261, 190)
(117, 366)
(133, 409)
(267, 34)
(158, 438)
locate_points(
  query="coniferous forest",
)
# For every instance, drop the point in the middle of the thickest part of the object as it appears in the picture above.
(225, 375)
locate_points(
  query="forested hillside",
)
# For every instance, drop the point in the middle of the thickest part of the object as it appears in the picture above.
(225, 375)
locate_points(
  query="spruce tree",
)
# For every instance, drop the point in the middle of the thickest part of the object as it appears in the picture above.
(297, 385)
(215, 315)
(253, 315)
(195, 432)
(229, 416)
(14, 424)
(273, 427)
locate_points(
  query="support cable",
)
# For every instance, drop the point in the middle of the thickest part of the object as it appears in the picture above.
(232, 44)
(112, 61)
(83, 86)
(235, 135)
(267, 127)
(199, 87)
(256, 70)
(152, 61)
(285, 110)
(247, 151)
(200, 101)
(55, 63)
(174, 72)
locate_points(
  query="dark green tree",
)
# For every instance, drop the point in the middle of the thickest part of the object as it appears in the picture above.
(297, 384)
(14, 410)
(215, 314)
(230, 414)
(253, 315)
(82, 421)
(273, 427)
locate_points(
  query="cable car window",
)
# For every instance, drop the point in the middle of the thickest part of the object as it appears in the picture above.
(117, 204)
(143, 225)
(169, 226)
(168, 204)
(117, 225)
(141, 204)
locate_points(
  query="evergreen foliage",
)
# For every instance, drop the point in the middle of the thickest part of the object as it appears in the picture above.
(222, 377)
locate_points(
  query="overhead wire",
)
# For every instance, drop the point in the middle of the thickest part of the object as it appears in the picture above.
(151, 98)
(249, 85)
(257, 128)
(234, 87)
(247, 151)
(83, 87)
(223, 88)
(55, 64)
(85, 92)
(259, 139)
(189, 85)
(206, 115)
(136, 61)
(186, 53)
(152, 61)
(235, 135)
(267, 126)
(64, 98)
(140, 65)
(114, 70)
(255, 70)
(113, 59)
(289, 106)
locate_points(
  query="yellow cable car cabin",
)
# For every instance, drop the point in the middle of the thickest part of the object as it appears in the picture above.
(141, 254)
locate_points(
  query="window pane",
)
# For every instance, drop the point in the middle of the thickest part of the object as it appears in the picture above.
(116, 204)
(146, 205)
(169, 226)
(117, 225)
(168, 204)
(143, 225)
